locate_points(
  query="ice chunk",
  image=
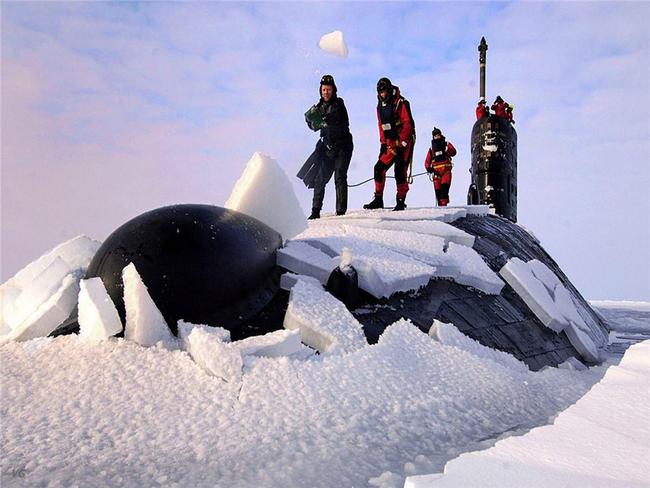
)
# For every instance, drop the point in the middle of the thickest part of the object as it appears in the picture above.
(449, 335)
(324, 322)
(473, 271)
(522, 280)
(572, 364)
(545, 275)
(381, 270)
(301, 258)
(273, 344)
(144, 322)
(98, 317)
(76, 252)
(184, 328)
(334, 43)
(37, 291)
(288, 280)
(50, 314)
(265, 192)
(213, 355)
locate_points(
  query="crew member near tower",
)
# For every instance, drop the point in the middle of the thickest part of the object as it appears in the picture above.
(438, 163)
(397, 138)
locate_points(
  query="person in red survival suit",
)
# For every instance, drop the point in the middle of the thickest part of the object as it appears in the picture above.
(502, 109)
(438, 163)
(397, 137)
(482, 109)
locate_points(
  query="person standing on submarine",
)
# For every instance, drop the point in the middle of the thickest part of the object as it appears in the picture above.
(397, 138)
(330, 116)
(438, 164)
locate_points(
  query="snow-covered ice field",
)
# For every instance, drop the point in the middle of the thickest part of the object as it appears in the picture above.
(116, 413)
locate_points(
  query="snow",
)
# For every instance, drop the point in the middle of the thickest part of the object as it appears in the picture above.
(144, 322)
(301, 258)
(49, 315)
(89, 414)
(552, 303)
(98, 318)
(449, 335)
(288, 280)
(601, 441)
(334, 43)
(265, 192)
(324, 323)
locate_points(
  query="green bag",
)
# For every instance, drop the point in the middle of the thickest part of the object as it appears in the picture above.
(314, 118)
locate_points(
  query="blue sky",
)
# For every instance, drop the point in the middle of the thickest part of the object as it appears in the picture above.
(112, 109)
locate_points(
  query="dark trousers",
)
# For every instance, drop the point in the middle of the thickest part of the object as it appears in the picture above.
(336, 162)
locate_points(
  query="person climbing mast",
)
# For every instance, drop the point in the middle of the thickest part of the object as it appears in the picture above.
(397, 138)
(438, 163)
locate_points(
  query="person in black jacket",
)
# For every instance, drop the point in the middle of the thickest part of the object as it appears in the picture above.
(335, 146)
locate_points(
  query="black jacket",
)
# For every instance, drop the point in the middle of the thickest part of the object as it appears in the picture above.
(337, 131)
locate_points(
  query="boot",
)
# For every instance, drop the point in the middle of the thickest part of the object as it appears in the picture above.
(377, 202)
(340, 212)
(315, 214)
(401, 204)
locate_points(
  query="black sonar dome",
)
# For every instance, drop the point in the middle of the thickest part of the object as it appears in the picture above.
(200, 263)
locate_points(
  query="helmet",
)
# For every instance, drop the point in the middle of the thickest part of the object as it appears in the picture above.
(498, 100)
(384, 84)
(436, 132)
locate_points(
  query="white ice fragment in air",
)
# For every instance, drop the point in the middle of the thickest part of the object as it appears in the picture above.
(324, 322)
(184, 328)
(449, 335)
(346, 259)
(273, 344)
(145, 324)
(533, 292)
(334, 43)
(216, 357)
(50, 314)
(98, 317)
(301, 258)
(265, 192)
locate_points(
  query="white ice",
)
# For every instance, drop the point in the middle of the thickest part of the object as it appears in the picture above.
(49, 315)
(303, 259)
(36, 283)
(274, 344)
(449, 335)
(144, 322)
(533, 292)
(601, 441)
(216, 357)
(98, 318)
(288, 280)
(324, 322)
(184, 328)
(334, 43)
(552, 303)
(265, 192)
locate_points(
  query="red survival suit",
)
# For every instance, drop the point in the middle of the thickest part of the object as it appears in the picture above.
(438, 162)
(482, 110)
(502, 109)
(397, 137)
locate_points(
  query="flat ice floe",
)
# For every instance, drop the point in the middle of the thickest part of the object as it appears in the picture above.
(601, 441)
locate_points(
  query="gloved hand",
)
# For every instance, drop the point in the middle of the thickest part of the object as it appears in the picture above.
(430, 169)
(383, 149)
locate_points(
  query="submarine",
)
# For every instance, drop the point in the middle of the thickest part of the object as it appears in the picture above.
(221, 267)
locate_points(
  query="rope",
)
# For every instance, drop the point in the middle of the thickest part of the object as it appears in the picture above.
(372, 179)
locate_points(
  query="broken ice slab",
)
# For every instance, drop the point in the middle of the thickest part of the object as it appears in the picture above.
(98, 318)
(145, 324)
(301, 258)
(324, 322)
(533, 292)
